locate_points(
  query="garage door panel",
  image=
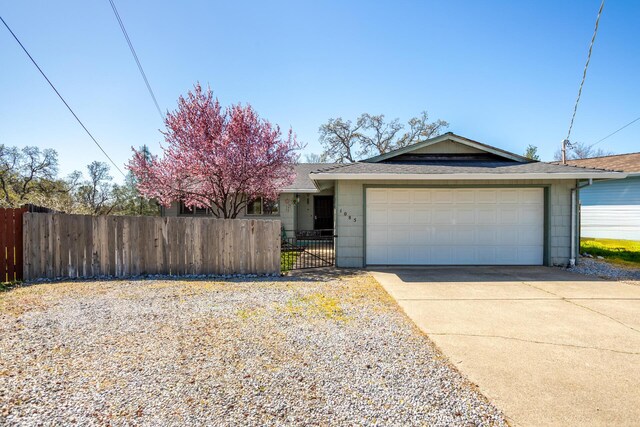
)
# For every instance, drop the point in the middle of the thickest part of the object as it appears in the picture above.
(508, 235)
(487, 236)
(487, 255)
(486, 196)
(421, 196)
(486, 215)
(465, 254)
(465, 196)
(530, 196)
(377, 195)
(465, 216)
(442, 235)
(526, 253)
(507, 254)
(441, 196)
(441, 255)
(400, 196)
(377, 254)
(377, 216)
(419, 255)
(420, 236)
(530, 236)
(398, 254)
(398, 235)
(442, 216)
(376, 236)
(399, 215)
(508, 215)
(455, 226)
(464, 235)
(508, 196)
(530, 216)
(421, 215)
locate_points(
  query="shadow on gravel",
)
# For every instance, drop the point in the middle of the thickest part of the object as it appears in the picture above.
(323, 274)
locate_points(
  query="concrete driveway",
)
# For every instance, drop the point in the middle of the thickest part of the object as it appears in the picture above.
(547, 346)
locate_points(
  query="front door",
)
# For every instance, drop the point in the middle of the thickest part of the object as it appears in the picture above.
(323, 212)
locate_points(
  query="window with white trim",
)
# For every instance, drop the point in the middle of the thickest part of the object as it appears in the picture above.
(262, 206)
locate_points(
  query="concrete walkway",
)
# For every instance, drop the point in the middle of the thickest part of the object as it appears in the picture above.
(546, 346)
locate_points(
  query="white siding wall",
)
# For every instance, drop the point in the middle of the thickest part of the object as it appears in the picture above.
(611, 222)
(611, 209)
(349, 205)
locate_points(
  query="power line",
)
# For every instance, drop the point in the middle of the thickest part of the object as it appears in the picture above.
(613, 133)
(60, 96)
(135, 56)
(586, 66)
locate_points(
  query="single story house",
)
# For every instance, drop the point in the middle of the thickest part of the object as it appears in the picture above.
(611, 209)
(448, 200)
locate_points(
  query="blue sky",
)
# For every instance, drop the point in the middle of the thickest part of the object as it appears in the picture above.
(502, 72)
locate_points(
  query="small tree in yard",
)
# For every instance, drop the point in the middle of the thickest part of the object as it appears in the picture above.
(216, 158)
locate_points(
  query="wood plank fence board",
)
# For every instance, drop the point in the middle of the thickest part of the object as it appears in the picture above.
(60, 245)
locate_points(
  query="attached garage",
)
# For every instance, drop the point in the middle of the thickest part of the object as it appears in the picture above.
(450, 200)
(454, 226)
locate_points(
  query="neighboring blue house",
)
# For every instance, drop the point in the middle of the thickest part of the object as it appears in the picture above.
(611, 209)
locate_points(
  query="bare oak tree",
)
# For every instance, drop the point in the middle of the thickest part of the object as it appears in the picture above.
(580, 150)
(346, 142)
(96, 194)
(26, 172)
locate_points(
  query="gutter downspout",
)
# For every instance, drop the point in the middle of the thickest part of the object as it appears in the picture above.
(574, 221)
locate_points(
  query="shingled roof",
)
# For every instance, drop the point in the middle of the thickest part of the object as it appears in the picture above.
(498, 168)
(303, 183)
(618, 162)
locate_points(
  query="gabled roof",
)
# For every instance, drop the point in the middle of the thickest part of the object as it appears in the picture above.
(451, 162)
(449, 136)
(303, 183)
(629, 162)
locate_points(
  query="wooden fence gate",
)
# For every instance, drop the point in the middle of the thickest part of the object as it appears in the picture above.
(11, 244)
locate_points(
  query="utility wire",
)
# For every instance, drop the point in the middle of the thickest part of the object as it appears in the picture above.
(135, 56)
(61, 98)
(613, 133)
(586, 66)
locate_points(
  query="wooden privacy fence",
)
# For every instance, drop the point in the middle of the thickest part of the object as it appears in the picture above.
(60, 245)
(11, 244)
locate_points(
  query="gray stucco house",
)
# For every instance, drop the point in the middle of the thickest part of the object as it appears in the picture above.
(448, 200)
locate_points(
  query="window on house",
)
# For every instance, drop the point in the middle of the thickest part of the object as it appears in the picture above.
(192, 210)
(262, 206)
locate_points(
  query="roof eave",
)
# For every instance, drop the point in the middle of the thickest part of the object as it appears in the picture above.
(299, 190)
(466, 176)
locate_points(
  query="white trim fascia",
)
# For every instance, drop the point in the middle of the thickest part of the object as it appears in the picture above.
(302, 190)
(467, 176)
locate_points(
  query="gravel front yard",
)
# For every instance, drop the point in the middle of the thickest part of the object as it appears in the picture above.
(324, 350)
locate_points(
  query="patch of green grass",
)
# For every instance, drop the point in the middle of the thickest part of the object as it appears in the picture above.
(316, 305)
(5, 286)
(248, 313)
(622, 252)
(288, 259)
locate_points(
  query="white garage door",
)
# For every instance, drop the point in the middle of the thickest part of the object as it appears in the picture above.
(475, 226)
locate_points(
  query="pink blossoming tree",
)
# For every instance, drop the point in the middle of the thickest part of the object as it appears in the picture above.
(216, 158)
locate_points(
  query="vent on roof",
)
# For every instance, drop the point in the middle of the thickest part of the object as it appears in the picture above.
(439, 157)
